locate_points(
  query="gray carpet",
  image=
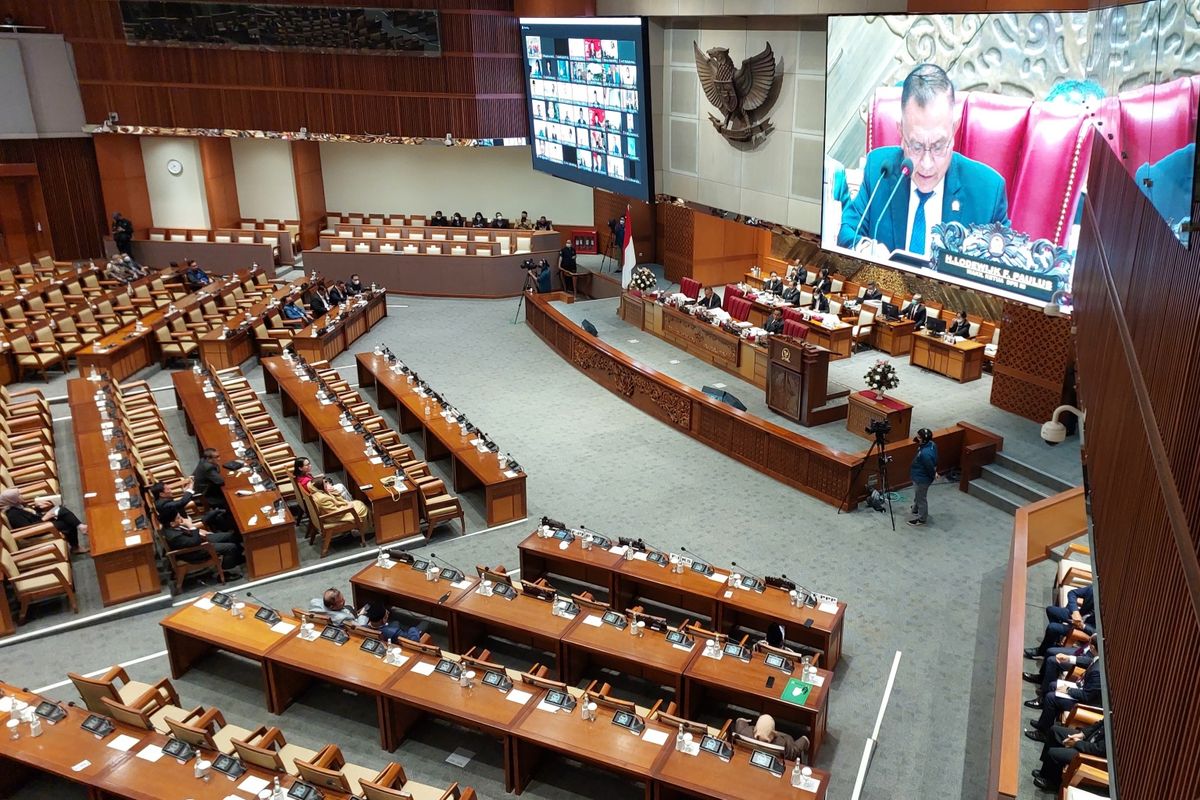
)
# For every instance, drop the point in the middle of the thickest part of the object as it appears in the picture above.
(592, 459)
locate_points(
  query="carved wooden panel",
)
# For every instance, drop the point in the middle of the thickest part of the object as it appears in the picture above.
(1031, 364)
(675, 240)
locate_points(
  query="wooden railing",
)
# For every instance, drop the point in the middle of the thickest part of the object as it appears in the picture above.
(1037, 528)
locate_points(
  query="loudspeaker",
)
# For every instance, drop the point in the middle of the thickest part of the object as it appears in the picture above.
(724, 397)
(589, 327)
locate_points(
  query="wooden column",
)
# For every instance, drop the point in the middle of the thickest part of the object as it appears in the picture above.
(220, 182)
(123, 179)
(310, 192)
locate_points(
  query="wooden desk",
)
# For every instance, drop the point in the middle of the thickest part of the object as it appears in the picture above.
(503, 490)
(962, 361)
(757, 610)
(198, 628)
(638, 578)
(524, 619)
(541, 557)
(838, 340)
(220, 351)
(649, 656)
(342, 326)
(294, 663)
(704, 775)
(865, 406)
(734, 681)
(270, 547)
(894, 338)
(125, 562)
(403, 586)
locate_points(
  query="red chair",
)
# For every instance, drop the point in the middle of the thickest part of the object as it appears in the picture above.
(738, 308)
(797, 330)
(793, 314)
(1152, 122)
(732, 291)
(690, 287)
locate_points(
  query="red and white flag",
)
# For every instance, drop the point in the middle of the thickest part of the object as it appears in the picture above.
(628, 256)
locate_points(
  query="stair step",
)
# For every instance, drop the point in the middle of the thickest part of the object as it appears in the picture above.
(1016, 483)
(995, 495)
(1033, 473)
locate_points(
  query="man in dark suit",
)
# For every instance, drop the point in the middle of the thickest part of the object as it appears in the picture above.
(318, 304)
(774, 323)
(207, 479)
(709, 299)
(943, 185)
(1062, 748)
(763, 729)
(916, 311)
(439, 220)
(181, 533)
(792, 293)
(1067, 695)
(872, 292)
(1078, 614)
(820, 302)
(122, 231)
(1058, 661)
(773, 284)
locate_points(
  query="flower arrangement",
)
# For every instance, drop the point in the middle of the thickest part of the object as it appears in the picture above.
(643, 280)
(882, 377)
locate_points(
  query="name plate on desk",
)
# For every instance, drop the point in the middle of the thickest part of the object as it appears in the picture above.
(373, 646)
(1002, 258)
(618, 621)
(333, 633)
(628, 721)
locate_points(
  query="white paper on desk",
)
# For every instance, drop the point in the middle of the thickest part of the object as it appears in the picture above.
(121, 496)
(816, 680)
(463, 584)
(518, 696)
(638, 555)
(283, 627)
(89, 495)
(717, 577)
(151, 753)
(123, 743)
(348, 428)
(476, 442)
(593, 620)
(544, 706)
(6, 704)
(204, 604)
(654, 736)
(276, 520)
(130, 541)
(687, 648)
(729, 594)
(252, 785)
(243, 492)
(827, 608)
(388, 564)
(508, 473)
(81, 766)
(210, 395)
(303, 378)
(619, 550)
(423, 668)
(259, 488)
(375, 460)
(252, 521)
(810, 784)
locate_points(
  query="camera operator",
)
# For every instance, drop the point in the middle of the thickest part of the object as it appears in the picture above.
(567, 266)
(617, 226)
(922, 473)
(544, 277)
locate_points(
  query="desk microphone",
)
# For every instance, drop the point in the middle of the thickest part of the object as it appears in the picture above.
(761, 583)
(883, 173)
(444, 563)
(906, 168)
(275, 615)
(696, 556)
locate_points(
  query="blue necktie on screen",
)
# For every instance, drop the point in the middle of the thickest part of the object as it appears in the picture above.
(917, 241)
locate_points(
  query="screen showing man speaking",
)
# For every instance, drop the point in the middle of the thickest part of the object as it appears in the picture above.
(957, 146)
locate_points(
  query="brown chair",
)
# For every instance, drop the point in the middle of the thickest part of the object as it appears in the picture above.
(150, 711)
(331, 525)
(114, 685)
(267, 748)
(438, 505)
(175, 346)
(207, 730)
(180, 567)
(35, 577)
(34, 356)
(329, 769)
(42, 539)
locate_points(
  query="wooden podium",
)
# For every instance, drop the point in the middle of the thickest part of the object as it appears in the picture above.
(865, 406)
(798, 382)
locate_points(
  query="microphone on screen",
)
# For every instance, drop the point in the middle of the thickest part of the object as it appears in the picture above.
(883, 173)
(906, 168)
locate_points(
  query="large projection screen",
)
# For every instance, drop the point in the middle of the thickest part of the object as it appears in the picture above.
(957, 146)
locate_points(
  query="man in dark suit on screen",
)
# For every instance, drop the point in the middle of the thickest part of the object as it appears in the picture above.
(931, 182)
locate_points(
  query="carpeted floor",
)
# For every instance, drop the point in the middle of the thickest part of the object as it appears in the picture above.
(930, 593)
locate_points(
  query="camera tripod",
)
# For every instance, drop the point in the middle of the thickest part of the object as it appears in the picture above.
(527, 286)
(882, 459)
(611, 252)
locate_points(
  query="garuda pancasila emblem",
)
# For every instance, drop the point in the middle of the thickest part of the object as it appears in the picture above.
(742, 95)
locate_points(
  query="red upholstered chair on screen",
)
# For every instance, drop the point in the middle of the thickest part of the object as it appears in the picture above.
(732, 291)
(1152, 122)
(1033, 145)
(797, 330)
(690, 287)
(738, 308)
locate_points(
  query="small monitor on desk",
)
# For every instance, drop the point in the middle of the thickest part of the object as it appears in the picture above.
(935, 325)
(891, 311)
(497, 578)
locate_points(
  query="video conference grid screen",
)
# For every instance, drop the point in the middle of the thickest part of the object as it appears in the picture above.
(587, 101)
(962, 152)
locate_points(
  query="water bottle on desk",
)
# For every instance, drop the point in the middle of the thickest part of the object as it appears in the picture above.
(797, 775)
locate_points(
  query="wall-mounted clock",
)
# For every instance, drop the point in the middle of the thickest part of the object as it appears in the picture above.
(175, 166)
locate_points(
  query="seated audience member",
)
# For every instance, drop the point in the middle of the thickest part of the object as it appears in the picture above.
(773, 284)
(823, 283)
(118, 270)
(355, 285)
(872, 292)
(328, 502)
(295, 315)
(1060, 749)
(302, 473)
(543, 224)
(1078, 614)
(333, 605)
(478, 221)
(458, 221)
(181, 533)
(166, 507)
(1066, 695)
(376, 616)
(1059, 660)
(499, 221)
(916, 311)
(21, 514)
(791, 293)
(439, 220)
(774, 323)
(709, 299)
(318, 303)
(763, 729)
(525, 223)
(195, 277)
(207, 479)
(337, 293)
(820, 302)
(960, 327)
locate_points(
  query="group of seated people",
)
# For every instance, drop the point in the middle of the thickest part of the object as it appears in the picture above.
(121, 267)
(332, 500)
(321, 299)
(1063, 651)
(457, 220)
(21, 512)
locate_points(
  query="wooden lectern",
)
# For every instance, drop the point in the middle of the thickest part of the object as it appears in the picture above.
(798, 382)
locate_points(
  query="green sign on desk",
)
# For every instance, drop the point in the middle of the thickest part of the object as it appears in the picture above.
(796, 691)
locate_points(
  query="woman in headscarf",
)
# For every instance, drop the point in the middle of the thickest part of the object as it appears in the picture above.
(44, 509)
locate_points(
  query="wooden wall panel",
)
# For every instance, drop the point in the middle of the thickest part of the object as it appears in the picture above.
(70, 190)
(473, 89)
(1032, 363)
(122, 174)
(310, 191)
(220, 182)
(608, 205)
(1138, 350)
(675, 240)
